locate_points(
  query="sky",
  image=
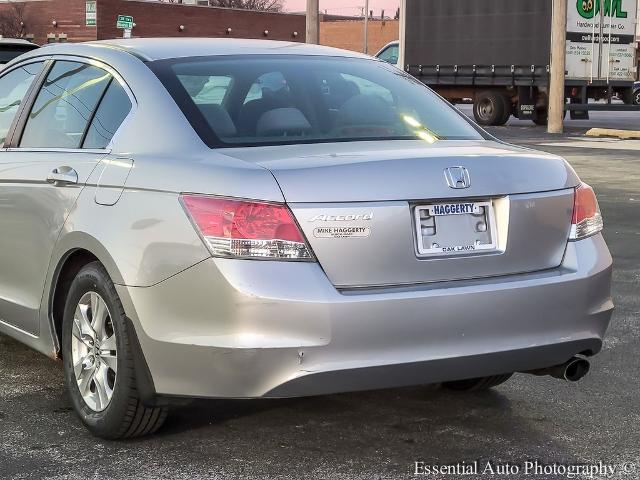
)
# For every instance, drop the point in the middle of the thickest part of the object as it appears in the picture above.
(346, 7)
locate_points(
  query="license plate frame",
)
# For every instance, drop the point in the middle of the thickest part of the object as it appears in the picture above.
(438, 210)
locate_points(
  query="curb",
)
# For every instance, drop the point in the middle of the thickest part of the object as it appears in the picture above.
(610, 132)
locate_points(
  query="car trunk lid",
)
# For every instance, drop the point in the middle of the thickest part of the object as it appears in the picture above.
(367, 208)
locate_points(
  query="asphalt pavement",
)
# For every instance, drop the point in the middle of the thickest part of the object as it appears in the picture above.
(620, 120)
(378, 434)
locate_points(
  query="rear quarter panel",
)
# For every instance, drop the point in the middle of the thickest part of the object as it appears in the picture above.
(146, 237)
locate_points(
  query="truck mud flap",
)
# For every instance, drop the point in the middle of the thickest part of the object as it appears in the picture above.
(526, 103)
(578, 114)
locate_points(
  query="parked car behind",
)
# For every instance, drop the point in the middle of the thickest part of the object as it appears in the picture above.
(390, 52)
(11, 48)
(244, 219)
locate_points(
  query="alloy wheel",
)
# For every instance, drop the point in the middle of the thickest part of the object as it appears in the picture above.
(94, 351)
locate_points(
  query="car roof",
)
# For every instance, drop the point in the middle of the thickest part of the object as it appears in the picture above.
(150, 49)
(391, 43)
(17, 41)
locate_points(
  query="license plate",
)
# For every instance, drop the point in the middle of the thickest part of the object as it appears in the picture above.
(454, 209)
(454, 228)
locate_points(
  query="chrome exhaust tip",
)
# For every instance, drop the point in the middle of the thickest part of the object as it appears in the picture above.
(571, 371)
(575, 369)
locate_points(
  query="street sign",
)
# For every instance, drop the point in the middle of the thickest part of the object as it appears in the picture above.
(90, 11)
(125, 21)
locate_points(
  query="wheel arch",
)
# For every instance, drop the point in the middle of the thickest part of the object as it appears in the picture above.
(74, 252)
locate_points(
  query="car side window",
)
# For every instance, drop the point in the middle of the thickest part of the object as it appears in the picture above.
(13, 88)
(113, 109)
(64, 106)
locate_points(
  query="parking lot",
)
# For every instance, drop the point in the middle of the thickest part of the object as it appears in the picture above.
(376, 434)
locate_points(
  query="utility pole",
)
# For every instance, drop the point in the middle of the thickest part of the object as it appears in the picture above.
(558, 51)
(366, 26)
(403, 29)
(313, 22)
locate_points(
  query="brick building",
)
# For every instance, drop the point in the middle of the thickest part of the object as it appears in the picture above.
(349, 34)
(83, 20)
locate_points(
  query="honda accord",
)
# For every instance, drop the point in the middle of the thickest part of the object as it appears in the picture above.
(243, 218)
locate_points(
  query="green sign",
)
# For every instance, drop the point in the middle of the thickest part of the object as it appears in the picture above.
(125, 21)
(90, 11)
(591, 8)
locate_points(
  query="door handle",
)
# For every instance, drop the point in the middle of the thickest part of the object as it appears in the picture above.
(63, 176)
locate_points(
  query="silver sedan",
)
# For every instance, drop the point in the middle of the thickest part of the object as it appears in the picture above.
(240, 219)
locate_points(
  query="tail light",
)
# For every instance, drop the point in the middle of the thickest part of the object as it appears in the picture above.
(246, 229)
(587, 219)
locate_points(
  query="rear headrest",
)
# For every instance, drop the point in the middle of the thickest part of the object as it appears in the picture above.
(365, 110)
(218, 119)
(281, 120)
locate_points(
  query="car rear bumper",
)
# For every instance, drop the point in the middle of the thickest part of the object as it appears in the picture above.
(238, 328)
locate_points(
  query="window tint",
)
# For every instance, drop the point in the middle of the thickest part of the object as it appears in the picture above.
(64, 106)
(113, 109)
(206, 89)
(390, 54)
(13, 88)
(306, 99)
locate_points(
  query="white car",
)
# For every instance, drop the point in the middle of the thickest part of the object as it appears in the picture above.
(390, 52)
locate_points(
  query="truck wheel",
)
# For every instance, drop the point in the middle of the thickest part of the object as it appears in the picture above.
(636, 97)
(475, 384)
(541, 116)
(507, 109)
(488, 108)
(98, 360)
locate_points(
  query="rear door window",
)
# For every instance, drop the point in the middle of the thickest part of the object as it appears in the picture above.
(13, 88)
(65, 105)
(113, 109)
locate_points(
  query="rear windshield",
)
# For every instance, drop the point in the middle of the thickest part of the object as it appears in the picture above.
(272, 99)
(9, 52)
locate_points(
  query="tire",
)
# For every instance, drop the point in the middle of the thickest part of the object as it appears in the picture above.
(541, 116)
(636, 97)
(507, 109)
(488, 108)
(110, 407)
(476, 384)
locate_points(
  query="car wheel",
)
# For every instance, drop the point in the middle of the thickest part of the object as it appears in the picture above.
(475, 384)
(636, 97)
(488, 108)
(98, 360)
